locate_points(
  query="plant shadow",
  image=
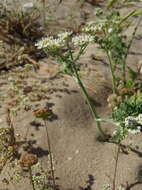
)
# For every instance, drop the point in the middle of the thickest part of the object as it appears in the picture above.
(29, 147)
(89, 183)
(138, 179)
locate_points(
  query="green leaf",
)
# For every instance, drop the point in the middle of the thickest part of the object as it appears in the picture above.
(111, 3)
(137, 13)
(129, 84)
(130, 107)
(132, 74)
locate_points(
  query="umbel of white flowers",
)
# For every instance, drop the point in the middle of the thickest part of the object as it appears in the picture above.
(95, 27)
(51, 43)
(82, 39)
(134, 124)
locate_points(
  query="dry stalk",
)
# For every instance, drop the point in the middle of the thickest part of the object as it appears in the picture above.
(50, 156)
(115, 169)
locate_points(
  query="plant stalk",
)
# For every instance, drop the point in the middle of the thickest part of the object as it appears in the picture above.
(50, 156)
(92, 108)
(83, 89)
(115, 169)
(112, 73)
(31, 178)
(10, 124)
(43, 14)
(127, 16)
(128, 48)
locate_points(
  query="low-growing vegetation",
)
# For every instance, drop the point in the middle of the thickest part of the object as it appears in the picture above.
(25, 46)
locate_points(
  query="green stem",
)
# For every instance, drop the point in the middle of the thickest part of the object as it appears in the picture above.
(76, 75)
(92, 108)
(115, 169)
(80, 53)
(112, 72)
(127, 16)
(50, 157)
(128, 48)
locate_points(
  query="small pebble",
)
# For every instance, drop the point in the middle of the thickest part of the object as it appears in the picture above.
(77, 151)
(69, 158)
(18, 135)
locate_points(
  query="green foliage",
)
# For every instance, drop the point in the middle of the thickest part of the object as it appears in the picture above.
(115, 44)
(130, 107)
(128, 110)
(108, 33)
(108, 187)
(110, 38)
(132, 76)
(119, 134)
(41, 178)
(110, 3)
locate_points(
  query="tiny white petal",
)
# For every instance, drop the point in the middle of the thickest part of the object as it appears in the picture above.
(82, 40)
(109, 30)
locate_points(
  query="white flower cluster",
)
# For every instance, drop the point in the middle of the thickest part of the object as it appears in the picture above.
(89, 28)
(82, 40)
(110, 30)
(48, 42)
(139, 119)
(93, 27)
(53, 43)
(130, 121)
(134, 124)
(64, 35)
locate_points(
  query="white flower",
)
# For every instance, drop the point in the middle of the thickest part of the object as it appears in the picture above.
(50, 43)
(64, 35)
(132, 124)
(135, 131)
(89, 28)
(94, 27)
(130, 121)
(109, 30)
(44, 43)
(82, 40)
(114, 132)
(139, 119)
(53, 43)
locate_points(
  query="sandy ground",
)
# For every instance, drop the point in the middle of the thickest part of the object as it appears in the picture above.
(80, 160)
